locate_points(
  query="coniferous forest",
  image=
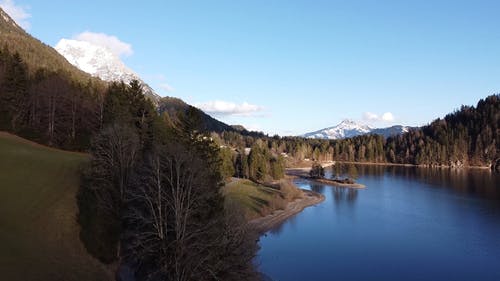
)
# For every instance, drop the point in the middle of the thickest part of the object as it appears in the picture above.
(48, 106)
(466, 137)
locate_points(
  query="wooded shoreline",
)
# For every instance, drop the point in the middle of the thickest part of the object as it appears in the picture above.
(331, 163)
(414, 165)
(266, 223)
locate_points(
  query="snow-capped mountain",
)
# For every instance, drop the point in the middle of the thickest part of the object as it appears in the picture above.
(349, 128)
(346, 129)
(100, 62)
(391, 131)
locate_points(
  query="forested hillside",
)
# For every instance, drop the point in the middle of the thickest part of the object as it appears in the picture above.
(467, 137)
(47, 105)
(151, 197)
(42, 96)
(175, 110)
(36, 54)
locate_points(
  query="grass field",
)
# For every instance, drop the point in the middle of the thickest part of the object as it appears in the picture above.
(39, 234)
(257, 200)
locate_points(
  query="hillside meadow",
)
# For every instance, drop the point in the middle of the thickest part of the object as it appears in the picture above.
(39, 233)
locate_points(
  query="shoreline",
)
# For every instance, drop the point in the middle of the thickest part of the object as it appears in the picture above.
(324, 164)
(331, 163)
(302, 173)
(264, 224)
(417, 166)
(336, 183)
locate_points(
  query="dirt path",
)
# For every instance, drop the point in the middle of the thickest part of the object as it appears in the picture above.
(268, 222)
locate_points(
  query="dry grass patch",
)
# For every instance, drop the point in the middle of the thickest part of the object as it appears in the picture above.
(258, 200)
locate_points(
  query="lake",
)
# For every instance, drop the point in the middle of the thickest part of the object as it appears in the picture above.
(408, 224)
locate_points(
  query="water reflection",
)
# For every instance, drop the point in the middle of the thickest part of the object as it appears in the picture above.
(415, 223)
(355, 170)
(339, 171)
(319, 188)
(342, 194)
(477, 182)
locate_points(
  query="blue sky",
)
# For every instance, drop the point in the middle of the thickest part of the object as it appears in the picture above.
(289, 67)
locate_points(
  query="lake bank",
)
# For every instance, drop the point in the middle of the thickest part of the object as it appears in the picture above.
(413, 165)
(304, 174)
(266, 223)
(267, 206)
(306, 165)
(336, 183)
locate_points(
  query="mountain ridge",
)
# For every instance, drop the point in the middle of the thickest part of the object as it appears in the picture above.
(102, 63)
(348, 128)
(176, 109)
(36, 54)
(8, 23)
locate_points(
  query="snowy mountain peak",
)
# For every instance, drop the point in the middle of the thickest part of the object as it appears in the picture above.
(349, 128)
(353, 125)
(95, 60)
(348, 121)
(100, 62)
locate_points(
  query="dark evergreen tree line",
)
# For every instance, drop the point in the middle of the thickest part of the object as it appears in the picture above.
(151, 197)
(467, 137)
(47, 106)
(257, 163)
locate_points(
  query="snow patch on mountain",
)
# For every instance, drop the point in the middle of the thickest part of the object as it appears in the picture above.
(100, 62)
(349, 128)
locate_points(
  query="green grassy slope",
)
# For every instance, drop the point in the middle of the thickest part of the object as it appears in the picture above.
(39, 234)
(257, 200)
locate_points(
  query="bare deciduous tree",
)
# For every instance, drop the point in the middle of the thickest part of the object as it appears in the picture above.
(114, 154)
(177, 226)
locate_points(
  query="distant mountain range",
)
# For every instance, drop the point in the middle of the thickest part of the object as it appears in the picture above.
(349, 128)
(102, 63)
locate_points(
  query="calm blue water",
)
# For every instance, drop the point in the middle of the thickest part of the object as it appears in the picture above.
(408, 224)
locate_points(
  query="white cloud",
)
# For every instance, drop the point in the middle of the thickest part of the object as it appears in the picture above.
(387, 117)
(229, 108)
(368, 116)
(372, 117)
(17, 12)
(166, 87)
(110, 42)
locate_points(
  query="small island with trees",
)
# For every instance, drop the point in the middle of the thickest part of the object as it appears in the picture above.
(317, 173)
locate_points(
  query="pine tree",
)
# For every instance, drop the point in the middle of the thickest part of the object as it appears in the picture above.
(15, 91)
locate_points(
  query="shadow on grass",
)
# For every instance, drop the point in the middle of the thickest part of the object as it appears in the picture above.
(259, 201)
(267, 191)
